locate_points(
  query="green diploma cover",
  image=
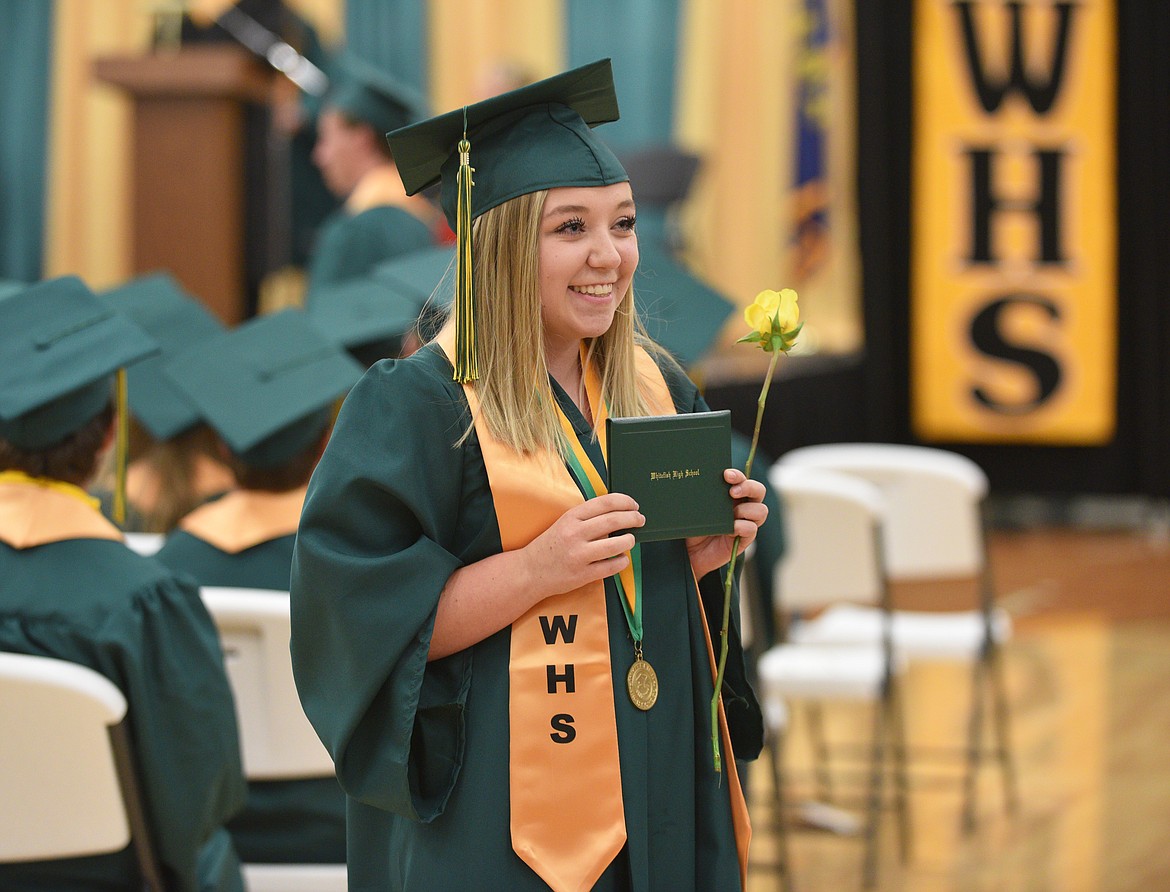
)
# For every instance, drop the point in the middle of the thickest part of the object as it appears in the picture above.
(672, 465)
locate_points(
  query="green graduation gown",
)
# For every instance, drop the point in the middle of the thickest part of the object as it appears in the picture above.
(264, 565)
(295, 821)
(94, 602)
(422, 748)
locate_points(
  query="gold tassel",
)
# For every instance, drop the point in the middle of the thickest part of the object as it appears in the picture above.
(466, 355)
(121, 448)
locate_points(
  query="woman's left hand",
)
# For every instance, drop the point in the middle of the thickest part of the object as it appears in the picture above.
(709, 553)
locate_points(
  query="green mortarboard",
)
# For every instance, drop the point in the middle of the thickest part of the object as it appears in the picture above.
(419, 273)
(366, 93)
(678, 311)
(176, 321)
(537, 137)
(266, 386)
(59, 348)
(369, 317)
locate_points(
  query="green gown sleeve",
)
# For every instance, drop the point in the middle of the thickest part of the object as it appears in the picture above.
(369, 564)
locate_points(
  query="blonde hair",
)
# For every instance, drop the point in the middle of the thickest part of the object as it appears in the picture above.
(516, 399)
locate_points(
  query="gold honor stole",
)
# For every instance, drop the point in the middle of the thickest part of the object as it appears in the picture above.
(36, 511)
(561, 703)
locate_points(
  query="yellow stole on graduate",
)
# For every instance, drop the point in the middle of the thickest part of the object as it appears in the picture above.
(566, 813)
(36, 511)
(242, 519)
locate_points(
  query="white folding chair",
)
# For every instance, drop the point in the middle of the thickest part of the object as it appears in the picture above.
(935, 530)
(145, 543)
(833, 526)
(276, 740)
(67, 781)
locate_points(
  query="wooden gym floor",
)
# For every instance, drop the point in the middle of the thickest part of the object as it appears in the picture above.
(1088, 675)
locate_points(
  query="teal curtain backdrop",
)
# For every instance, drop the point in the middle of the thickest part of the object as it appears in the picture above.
(391, 34)
(25, 30)
(641, 36)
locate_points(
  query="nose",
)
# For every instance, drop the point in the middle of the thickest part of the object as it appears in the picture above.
(604, 253)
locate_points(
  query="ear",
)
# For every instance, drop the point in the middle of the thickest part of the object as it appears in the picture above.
(110, 433)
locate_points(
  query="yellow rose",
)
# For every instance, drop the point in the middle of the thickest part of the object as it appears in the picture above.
(771, 307)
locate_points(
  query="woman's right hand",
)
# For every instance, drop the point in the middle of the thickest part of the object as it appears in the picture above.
(579, 548)
(481, 598)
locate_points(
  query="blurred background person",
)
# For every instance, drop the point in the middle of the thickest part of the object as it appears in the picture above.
(174, 461)
(378, 220)
(268, 388)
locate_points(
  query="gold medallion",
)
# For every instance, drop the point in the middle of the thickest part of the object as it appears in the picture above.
(642, 683)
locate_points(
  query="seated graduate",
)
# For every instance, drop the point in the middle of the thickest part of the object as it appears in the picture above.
(174, 463)
(378, 220)
(268, 388)
(70, 589)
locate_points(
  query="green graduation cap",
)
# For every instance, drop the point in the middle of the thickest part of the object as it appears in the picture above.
(417, 274)
(176, 321)
(425, 275)
(369, 317)
(59, 348)
(537, 137)
(267, 387)
(679, 312)
(366, 93)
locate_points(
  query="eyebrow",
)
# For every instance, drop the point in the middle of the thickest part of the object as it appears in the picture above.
(581, 209)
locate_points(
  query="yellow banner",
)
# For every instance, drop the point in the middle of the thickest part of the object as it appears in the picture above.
(1013, 276)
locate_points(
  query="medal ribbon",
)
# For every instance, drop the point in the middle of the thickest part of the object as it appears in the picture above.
(629, 580)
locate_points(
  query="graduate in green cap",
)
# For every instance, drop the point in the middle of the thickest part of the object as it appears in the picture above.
(72, 590)
(268, 388)
(378, 220)
(516, 697)
(173, 460)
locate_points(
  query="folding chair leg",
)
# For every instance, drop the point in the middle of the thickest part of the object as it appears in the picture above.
(974, 745)
(874, 805)
(896, 722)
(1003, 730)
(820, 745)
(776, 752)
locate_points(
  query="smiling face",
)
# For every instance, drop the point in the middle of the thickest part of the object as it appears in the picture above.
(588, 254)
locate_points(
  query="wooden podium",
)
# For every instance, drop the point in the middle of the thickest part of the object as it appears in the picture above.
(189, 165)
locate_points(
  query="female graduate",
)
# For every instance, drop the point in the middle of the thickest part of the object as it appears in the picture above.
(472, 631)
